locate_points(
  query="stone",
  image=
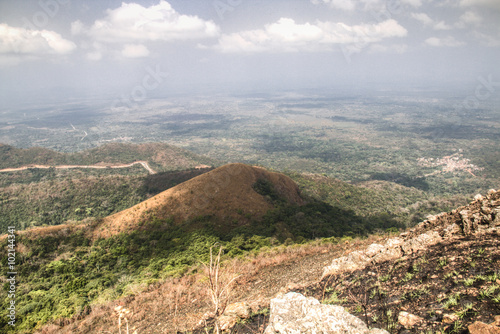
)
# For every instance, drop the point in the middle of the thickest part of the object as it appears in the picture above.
(421, 241)
(449, 318)
(388, 254)
(451, 230)
(468, 223)
(408, 320)
(481, 328)
(353, 261)
(295, 313)
(227, 322)
(241, 310)
(497, 321)
(374, 249)
(486, 210)
(232, 314)
(478, 197)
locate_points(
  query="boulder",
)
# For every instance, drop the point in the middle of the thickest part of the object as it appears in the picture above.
(241, 310)
(232, 314)
(481, 328)
(294, 313)
(227, 322)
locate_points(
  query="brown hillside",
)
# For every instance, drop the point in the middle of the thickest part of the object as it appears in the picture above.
(450, 283)
(225, 193)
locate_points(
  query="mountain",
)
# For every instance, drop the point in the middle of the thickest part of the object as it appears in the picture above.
(229, 193)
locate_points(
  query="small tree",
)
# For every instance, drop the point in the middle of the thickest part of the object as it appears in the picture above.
(219, 284)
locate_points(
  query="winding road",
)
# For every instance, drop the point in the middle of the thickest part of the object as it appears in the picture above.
(142, 163)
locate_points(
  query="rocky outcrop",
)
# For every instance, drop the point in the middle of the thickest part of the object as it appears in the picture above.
(480, 216)
(376, 253)
(293, 313)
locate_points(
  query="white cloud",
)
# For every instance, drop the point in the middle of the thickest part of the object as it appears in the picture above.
(495, 4)
(132, 22)
(470, 17)
(422, 17)
(413, 3)
(135, 51)
(441, 25)
(288, 36)
(446, 41)
(367, 5)
(22, 41)
(488, 40)
(427, 21)
(338, 4)
(77, 27)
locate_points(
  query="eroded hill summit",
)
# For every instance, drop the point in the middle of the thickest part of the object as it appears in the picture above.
(234, 192)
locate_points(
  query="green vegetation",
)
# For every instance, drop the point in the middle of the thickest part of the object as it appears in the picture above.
(161, 157)
(63, 274)
(39, 197)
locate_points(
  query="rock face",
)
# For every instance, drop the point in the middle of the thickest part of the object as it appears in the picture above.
(293, 313)
(376, 253)
(480, 216)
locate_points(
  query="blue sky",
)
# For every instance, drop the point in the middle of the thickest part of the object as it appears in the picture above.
(96, 49)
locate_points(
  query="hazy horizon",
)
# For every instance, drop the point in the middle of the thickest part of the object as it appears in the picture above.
(57, 51)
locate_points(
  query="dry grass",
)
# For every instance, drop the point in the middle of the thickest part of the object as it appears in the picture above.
(181, 304)
(220, 193)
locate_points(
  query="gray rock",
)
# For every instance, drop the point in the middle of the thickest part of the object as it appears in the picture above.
(351, 262)
(293, 313)
(421, 241)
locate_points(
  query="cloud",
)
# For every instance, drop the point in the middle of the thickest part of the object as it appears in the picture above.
(135, 51)
(288, 36)
(94, 55)
(470, 17)
(131, 23)
(428, 22)
(441, 25)
(413, 3)
(495, 4)
(486, 39)
(348, 5)
(367, 5)
(446, 41)
(394, 48)
(24, 42)
(423, 18)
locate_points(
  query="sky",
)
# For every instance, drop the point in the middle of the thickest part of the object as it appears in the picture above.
(59, 50)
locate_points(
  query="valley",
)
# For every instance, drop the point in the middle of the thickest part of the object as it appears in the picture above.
(127, 214)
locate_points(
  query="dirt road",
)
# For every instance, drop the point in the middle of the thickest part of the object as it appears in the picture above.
(142, 163)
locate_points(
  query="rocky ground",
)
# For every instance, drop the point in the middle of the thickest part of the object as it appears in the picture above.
(441, 277)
